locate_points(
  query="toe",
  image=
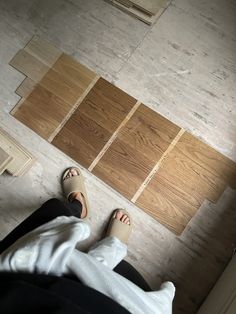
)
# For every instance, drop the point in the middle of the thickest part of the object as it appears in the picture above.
(118, 215)
(73, 172)
(127, 220)
(123, 218)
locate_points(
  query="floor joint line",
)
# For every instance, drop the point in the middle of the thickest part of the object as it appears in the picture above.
(114, 136)
(73, 109)
(157, 166)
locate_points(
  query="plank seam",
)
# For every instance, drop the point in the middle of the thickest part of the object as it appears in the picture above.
(114, 136)
(73, 109)
(157, 166)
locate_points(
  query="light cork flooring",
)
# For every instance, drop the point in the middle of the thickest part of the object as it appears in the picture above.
(183, 67)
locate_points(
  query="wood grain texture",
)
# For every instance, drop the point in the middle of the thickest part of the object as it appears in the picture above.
(48, 102)
(81, 138)
(42, 111)
(67, 79)
(94, 122)
(122, 168)
(149, 133)
(138, 147)
(191, 173)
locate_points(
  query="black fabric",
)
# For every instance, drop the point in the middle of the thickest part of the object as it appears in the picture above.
(47, 212)
(42, 294)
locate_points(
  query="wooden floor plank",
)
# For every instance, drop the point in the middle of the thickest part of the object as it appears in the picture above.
(137, 149)
(43, 51)
(42, 111)
(166, 207)
(191, 173)
(76, 72)
(94, 122)
(25, 88)
(81, 138)
(123, 168)
(149, 133)
(48, 102)
(29, 65)
(215, 163)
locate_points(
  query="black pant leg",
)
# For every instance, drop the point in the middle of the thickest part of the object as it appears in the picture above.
(129, 272)
(48, 211)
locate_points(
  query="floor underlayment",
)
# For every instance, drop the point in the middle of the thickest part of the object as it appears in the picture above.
(184, 68)
(151, 161)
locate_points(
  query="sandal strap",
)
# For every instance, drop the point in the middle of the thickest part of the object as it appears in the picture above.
(119, 229)
(74, 184)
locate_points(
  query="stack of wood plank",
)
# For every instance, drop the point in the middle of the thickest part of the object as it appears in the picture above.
(14, 158)
(147, 11)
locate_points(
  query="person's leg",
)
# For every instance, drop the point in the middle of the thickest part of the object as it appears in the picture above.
(129, 272)
(48, 211)
(111, 251)
(53, 208)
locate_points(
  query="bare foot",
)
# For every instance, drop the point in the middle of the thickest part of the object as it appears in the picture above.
(77, 195)
(122, 217)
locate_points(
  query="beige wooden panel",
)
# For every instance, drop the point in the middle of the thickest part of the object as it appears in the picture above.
(5, 159)
(43, 51)
(26, 87)
(29, 65)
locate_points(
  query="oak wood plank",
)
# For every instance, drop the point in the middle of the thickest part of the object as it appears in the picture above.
(138, 147)
(74, 71)
(215, 163)
(81, 138)
(166, 207)
(93, 123)
(123, 168)
(42, 111)
(191, 173)
(149, 133)
(107, 105)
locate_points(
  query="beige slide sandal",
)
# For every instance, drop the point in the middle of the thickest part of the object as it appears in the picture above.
(74, 184)
(119, 229)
